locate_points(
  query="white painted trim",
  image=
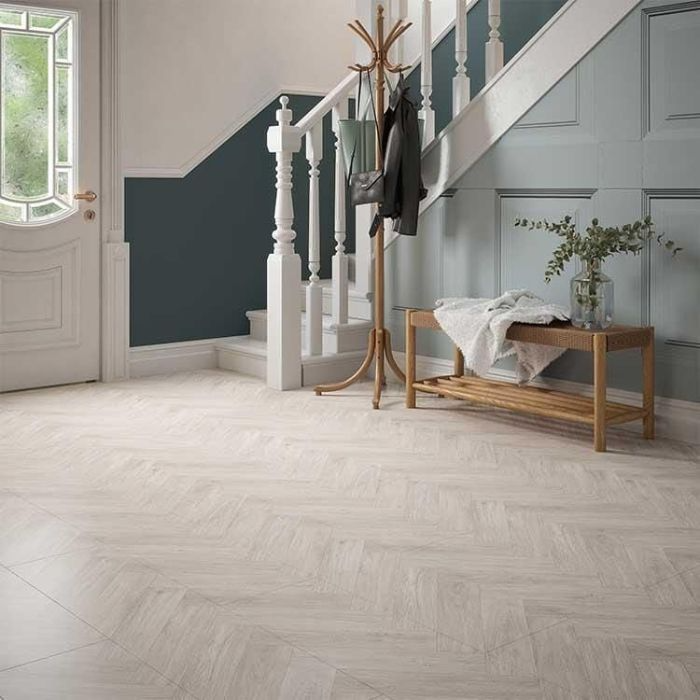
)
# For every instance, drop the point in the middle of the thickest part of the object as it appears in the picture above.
(223, 136)
(166, 358)
(115, 311)
(675, 419)
(114, 293)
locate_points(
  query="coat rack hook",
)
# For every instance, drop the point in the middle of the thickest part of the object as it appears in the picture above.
(395, 33)
(360, 30)
(389, 38)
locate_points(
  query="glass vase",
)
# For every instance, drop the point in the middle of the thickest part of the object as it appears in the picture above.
(592, 300)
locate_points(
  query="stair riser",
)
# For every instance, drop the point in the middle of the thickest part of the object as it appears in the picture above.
(258, 328)
(235, 361)
(340, 368)
(358, 307)
(315, 370)
(334, 340)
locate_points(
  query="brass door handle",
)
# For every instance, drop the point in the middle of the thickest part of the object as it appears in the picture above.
(88, 196)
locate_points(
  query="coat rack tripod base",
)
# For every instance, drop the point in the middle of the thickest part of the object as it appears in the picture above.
(379, 341)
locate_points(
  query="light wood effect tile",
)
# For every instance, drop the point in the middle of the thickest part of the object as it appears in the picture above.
(101, 671)
(234, 542)
(32, 626)
(200, 646)
(28, 533)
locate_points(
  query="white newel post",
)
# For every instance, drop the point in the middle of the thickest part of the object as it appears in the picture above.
(494, 46)
(461, 88)
(314, 291)
(426, 74)
(339, 312)
(283, 264)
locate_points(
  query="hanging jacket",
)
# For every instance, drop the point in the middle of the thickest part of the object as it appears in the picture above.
(403, 186)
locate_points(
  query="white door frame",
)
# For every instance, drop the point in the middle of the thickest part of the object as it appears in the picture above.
(114, 303)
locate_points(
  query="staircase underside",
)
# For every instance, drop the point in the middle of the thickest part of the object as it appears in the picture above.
(564, 41)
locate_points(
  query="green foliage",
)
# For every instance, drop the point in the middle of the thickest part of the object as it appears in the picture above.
(25, 105)
(598, 243)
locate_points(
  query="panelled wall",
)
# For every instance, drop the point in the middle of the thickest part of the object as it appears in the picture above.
(618, 138)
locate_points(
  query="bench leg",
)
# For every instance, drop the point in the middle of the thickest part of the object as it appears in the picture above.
(459, 363)
(410, 361)
(600, 351)
(648, 394)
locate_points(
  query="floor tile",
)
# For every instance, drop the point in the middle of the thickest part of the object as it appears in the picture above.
(33, 626)
(340, 552)
(101, 671)
(28, 533)
(386, 652)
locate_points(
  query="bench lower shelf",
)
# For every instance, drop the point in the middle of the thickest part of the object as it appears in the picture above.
(527, 399)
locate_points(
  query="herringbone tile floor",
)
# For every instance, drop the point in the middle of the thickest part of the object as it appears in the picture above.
(199, 536)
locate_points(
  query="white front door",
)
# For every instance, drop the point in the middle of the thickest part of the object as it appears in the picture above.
(49, 172)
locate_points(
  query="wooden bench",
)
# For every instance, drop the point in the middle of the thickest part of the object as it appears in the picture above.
(595, 410)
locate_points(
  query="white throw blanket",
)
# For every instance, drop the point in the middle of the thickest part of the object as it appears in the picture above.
(478, 327)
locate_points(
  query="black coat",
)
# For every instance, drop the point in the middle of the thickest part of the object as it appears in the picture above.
(403, 187)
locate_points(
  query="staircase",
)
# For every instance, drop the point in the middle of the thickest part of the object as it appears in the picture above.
(316, 331)
(343, 345)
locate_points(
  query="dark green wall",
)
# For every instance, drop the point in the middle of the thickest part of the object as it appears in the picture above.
(199, 244)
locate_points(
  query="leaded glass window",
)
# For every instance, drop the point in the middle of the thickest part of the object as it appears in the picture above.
(37, 114)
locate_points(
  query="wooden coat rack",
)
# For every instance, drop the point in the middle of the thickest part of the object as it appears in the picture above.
(379, 342)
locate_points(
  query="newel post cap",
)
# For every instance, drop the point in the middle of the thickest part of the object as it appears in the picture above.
(284, 136)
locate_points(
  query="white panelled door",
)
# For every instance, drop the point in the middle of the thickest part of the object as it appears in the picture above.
(49, 186)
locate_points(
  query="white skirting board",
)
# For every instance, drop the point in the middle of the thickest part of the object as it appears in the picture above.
(147, 360)
(675, 419)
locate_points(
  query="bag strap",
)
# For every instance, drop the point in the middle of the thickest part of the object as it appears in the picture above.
(357, 114)
(376, 121)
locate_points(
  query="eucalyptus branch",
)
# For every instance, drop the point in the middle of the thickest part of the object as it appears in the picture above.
(598, 242)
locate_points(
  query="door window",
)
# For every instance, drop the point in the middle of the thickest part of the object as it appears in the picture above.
(37, 115)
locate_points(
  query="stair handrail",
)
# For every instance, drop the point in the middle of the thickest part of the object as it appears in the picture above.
(320, 110)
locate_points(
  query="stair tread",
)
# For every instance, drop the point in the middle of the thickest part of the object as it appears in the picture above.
(327, 319)
(328, 283)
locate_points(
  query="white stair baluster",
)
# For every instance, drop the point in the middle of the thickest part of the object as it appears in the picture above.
(494, 46)
(426, 74)
(339, 312)
(314, 291)
(283, 265)
(461, 88)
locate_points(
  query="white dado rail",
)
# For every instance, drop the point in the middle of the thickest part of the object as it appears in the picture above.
(284, 275)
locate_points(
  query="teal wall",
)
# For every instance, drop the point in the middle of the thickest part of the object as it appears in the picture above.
(617, 138)
(199, 244)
